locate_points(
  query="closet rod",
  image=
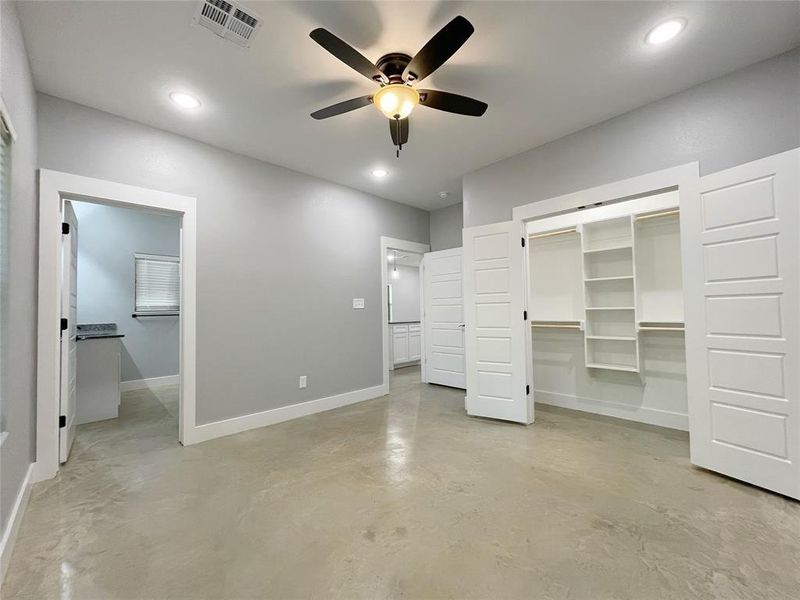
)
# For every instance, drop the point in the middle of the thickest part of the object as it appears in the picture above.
(663, 213)
(552, 233)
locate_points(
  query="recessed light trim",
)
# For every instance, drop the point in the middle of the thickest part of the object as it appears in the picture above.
(184, 100)
(665, 31)
(380, 173)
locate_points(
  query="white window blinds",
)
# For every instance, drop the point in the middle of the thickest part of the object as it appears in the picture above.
(158, 284)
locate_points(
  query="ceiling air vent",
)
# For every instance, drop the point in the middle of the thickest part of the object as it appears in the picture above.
(229, 20)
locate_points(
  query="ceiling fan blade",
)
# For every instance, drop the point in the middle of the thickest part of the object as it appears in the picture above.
(438, 49)
(341, 107)
(452, 103)
(347, 54)
(402, 138)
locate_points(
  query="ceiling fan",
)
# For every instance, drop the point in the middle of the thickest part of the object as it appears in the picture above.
(396, 73)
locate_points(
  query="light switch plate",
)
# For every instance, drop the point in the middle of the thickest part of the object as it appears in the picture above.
(303, 382)
(358, 303)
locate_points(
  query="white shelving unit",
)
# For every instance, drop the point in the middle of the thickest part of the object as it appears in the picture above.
(609, 292)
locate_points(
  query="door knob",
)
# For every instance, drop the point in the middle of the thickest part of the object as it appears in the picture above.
(462, 325)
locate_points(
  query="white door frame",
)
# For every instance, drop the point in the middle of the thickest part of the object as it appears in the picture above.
(683, 178)
(54, 188)
(395, 244)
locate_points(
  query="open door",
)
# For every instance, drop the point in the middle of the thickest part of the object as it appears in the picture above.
(741, 271)
(69, 349)
(494, 305)
(443, 318)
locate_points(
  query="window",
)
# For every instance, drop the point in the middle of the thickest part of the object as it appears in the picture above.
(158, 284)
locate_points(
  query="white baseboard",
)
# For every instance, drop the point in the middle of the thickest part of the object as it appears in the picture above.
(14, 520)
(141, 384)
(640, 414)
(209, 431)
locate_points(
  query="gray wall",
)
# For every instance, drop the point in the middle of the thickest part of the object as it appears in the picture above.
(281, 255)
(748, 114)
(19, 339)
(108, 237)
(446, 226)
(405, 293)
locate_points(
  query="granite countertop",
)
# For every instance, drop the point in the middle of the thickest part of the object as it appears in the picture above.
(96, 331)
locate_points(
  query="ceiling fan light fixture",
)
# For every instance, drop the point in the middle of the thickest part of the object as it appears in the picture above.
(396, 101)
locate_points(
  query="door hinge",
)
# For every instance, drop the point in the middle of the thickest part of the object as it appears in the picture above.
(62, 421)
(64, 228)
(524, 315)
(527, 390)
(64, 324)
(523, 242)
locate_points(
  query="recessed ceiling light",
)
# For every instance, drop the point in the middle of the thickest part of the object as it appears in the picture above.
(443, 194)
(380, 173)
(184, 100)
(664, 32)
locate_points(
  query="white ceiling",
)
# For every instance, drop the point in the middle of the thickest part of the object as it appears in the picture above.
(545, 68)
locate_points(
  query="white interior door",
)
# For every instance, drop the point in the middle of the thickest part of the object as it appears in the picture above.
(741, 272)
(443, 318)
(69, 347)
(494, 301)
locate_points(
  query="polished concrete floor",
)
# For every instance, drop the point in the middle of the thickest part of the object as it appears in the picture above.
(400, 497)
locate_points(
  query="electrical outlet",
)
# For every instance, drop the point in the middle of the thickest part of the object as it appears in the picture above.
(303, 382)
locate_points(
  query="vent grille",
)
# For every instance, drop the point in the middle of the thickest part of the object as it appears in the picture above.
(228, 20)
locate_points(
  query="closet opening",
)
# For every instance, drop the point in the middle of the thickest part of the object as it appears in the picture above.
(605, 310)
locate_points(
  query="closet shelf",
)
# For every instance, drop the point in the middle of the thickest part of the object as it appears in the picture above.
(610, 308)
(617, 278)
(558, 324)
(628, 246)
(611, 367)
(661, 326)
(617, 338)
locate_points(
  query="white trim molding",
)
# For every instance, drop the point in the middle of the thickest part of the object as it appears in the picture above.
(406, 246)
(14, 521)
(149, 383)
(54, 189)
(210, 431)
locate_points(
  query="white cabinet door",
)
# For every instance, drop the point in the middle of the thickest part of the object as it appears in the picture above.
(443, 318)
(400, 344)
(740, 248)
(69, 346)
(414, 342)
(494, 298)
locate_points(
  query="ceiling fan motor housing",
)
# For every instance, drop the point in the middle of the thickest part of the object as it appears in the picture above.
(392, 65)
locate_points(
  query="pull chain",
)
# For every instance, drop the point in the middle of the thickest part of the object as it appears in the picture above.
(399, 141)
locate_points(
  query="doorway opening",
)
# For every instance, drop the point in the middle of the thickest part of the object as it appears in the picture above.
(405, 314)
(123, 343)
(401, 310)
(145, 286)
